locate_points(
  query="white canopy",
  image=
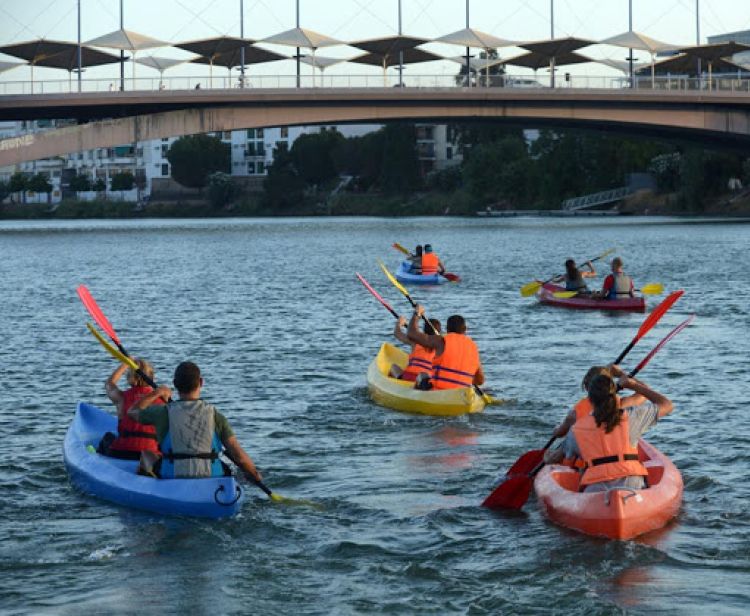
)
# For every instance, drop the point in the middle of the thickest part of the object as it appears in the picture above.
(469, 37)
(160, 64)
(301, 37)
(126, 40)
(635, 40)
(6, 66)
(321, 62)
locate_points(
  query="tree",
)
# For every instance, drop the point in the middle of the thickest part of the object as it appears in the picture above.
(221, 189)
(400, 167)
(195, 157)
(80, 183)
(39, 183)
(18, 184)
(282, 187)
(122, 181)
(4, 191)
(312, 156)
(100, 185)
(500, 171)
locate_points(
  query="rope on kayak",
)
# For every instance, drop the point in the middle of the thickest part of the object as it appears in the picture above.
(238, 493)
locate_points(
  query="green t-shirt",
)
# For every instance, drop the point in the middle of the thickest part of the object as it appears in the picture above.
(158, 416)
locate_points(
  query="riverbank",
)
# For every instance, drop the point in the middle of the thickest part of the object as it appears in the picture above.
(457, 203)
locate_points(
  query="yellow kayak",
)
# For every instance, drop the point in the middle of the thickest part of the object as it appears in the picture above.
(401, 395)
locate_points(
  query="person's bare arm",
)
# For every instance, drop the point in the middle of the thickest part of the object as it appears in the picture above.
(399, 333)
(591, 273)
(112, 390)
(566, 424)
(426, 340)
(237, 455)
(663, 403)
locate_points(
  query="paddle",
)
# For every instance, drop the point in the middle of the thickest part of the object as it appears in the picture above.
(128, 361)
(487, 399)
(447, 275)
(531, 288)
(514, 491)
(377, 296)
(655, 288)
(90, 303)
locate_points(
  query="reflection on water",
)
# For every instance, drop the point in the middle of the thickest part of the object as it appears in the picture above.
(284, 332)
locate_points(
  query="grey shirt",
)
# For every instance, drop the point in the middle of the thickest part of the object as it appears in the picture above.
(640, 419)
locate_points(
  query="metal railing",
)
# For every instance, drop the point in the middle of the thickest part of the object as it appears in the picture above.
(514, 81)
(600, 198)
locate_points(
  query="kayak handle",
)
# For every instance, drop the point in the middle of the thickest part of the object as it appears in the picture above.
(238, 493)
(633, 492)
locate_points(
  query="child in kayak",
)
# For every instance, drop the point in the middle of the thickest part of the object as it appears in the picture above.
(607, 439)
(132, 437)
(420, 358)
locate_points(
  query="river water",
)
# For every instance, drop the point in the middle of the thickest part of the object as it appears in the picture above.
(272, 312)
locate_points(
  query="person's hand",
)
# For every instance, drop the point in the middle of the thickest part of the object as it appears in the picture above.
(402, 321)
(164, 391)
(616, 371)
(419, 310)
(625, 382)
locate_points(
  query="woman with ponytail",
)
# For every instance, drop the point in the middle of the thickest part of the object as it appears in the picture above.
(607, 439)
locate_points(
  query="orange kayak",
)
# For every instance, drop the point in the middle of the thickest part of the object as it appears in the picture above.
(617, 513)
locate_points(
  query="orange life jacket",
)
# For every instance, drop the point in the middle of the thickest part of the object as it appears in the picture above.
(606, 456)
(429, 264)
(458, 364)
(420, 360)
(134, 436)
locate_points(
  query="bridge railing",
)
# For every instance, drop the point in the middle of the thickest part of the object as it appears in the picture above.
(600, 198)
(219, 81)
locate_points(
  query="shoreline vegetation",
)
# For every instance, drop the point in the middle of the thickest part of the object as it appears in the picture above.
(385, 173)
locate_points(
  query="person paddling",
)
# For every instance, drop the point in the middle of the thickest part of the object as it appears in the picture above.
(456, 363)
(132, 437)
(607, 438)
(420, 358)
(618, 284)
(416, 260)
(574, 278)
(190, 431)
(431, 263)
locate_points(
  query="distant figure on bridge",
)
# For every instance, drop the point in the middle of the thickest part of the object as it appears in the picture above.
(618, 284)
(197, 86)
(574, 278)
(431, 263)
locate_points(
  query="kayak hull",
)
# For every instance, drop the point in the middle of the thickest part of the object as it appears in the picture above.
(629, 304)
(401, 395)
(619, 513)
(404, 275)
(116, 480)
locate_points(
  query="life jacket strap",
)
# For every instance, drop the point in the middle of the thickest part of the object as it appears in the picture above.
(136, 434)
(611, 459)
(211, 455)
(459, 372)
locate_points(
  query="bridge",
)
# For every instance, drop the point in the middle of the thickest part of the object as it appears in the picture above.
(108, 119)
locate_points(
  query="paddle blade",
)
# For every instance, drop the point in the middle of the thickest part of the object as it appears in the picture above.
(652, 289)
(565, 294)
(393, 280)
(112, 350)
(531, 288)
(452, 277)
(664, 341)
(526, 463)
(658, 312)
(376, 295)
(510, 494)
(283, 500)
(90, 303)
(401, 248)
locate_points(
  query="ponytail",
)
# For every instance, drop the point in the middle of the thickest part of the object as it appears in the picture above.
(603, 396)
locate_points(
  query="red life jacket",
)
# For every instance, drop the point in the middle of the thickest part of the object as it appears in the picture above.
(420, 360)
(134, 436)
(429, 264)
(606, 456)
(458, 363)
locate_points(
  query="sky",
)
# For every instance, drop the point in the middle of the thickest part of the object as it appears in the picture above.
(672, 21)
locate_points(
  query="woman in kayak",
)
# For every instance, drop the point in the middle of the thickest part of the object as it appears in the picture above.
(607, 439)
(420, 358)
(416, 261)
(132, 437)
(574, 278)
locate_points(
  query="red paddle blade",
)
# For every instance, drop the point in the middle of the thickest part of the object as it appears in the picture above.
(510, 494)
(664, 341)
(96, 313)
(526, 463)
(658, 312)
(452, 277)
(376, 294)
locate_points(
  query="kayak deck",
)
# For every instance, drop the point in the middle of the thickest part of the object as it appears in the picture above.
(586, 302)
(404, 274)
(401, 396)
(617, 513)
(116, 480)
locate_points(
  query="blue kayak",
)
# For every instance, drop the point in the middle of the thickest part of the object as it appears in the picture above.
(404, 274)
(116, 480)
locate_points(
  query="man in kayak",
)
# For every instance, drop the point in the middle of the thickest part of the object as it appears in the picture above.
(431, 263)
(618, 284)
(420, 358)
(574, 278)
(456, 362)
(190, 431)
(132, 437)
(607, 439)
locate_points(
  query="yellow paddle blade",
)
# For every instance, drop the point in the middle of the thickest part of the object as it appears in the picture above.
(530, 289)
(112, 350)
(391, 277)
(283, 500)
(655, 288)
(398, 246)
(565, 294)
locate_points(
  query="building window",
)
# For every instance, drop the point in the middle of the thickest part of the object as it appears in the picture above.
(260, 167)
(164, 149)
(165, 169)
(449, 153)
(251, 168)
(285, 132)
